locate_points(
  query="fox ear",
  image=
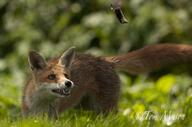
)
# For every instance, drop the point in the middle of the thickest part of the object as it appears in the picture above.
(67, 57)
(36, 61)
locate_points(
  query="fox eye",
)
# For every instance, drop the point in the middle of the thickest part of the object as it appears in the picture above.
(66, 75)
(52, 77)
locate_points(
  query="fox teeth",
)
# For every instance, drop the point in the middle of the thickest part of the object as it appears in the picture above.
(61, 91)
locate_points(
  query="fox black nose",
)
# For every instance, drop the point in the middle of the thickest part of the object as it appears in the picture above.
(68, 84)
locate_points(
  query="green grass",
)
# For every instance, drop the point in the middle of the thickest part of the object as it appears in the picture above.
(166, 101)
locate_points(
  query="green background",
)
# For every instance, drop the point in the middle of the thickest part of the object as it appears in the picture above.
(52, 26)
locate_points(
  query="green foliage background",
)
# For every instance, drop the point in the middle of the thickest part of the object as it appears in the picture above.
(51, 26)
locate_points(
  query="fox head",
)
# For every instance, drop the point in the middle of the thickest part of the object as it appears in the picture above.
(52, 77)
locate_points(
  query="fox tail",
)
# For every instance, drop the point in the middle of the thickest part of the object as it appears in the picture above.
(152, 57)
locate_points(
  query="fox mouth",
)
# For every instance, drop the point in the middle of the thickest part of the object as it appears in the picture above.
(61, 91)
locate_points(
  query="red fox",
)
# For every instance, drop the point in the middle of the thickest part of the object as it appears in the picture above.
(60, 83)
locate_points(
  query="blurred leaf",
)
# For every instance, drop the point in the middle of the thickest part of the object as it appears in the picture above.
(165, 83)
(138, 107)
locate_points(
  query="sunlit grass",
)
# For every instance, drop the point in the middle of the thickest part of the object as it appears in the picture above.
(144, 102)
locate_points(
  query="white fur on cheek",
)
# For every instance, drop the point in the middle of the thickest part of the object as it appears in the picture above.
(49, 86)
(43, 91)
